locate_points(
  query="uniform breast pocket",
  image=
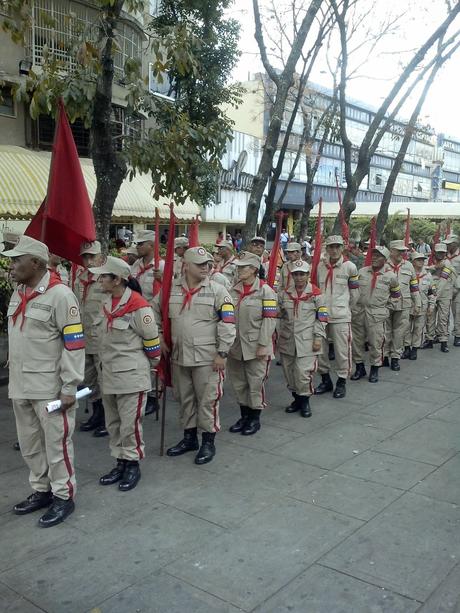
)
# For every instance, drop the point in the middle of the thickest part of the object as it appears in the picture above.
(204, 349)
(203, 308)
(38, 323)
(120, 324)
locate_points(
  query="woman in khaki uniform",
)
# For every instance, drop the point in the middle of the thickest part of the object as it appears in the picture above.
(251, 353)
(129, 348)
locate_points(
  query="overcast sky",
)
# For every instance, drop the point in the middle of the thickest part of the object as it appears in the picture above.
(442, 107)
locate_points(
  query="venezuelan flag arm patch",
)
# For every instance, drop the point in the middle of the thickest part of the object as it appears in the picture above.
(445, 273)
(269, 308)
(414, 286)
(395, 292)
(73, 337)
(353, 282)
(322, 314)
(227, 313)
(152, 348)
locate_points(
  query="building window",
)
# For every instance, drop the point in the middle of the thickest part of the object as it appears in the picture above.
(125, 126)
(154, 7)
(378, 179)
(46, 128)
(7, 102)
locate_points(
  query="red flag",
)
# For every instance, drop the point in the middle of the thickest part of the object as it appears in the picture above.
(193, 235)
(318, 241)
(273, 261)
(65, 218)
(436, 238)
(344, 225)
(407, 236)
(372, 242)
(156, 253)
(164, 368)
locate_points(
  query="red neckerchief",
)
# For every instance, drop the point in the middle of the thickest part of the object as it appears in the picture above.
(134, 303)
(27, 297)
(330, 272)
(86, 284)
(375, 275)
(395, 267)
(227, 263)
(143, 269)
(298, 299)
(54, 274)
(451, 257)
(188, 295)
(247, 291)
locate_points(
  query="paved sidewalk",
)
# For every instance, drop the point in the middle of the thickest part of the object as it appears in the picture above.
(356, 510)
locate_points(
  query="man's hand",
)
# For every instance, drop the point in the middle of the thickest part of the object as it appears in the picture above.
(66, 401)
(219, 363)
(165, 350)
(316, 345)
(158, 275)
(261, 353)
(417, 311)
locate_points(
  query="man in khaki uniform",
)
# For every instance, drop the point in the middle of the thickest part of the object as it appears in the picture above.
(90, 298)
(379, 293)
(398, 320)
(453, 257)
(203, 330)
(444, 279)
(338, 282)
(226, 265)
(180, 247)
(257, 246)
(303, 319)
(417, 323)
(293, 254)
(251, 353)
(47, 362)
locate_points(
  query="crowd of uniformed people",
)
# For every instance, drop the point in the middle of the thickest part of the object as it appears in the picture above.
(104, 328)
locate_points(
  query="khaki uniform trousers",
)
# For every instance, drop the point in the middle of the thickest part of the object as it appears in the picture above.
(299, 373)
(341, 335)
(437, 324)
(46, 445)
(92, 372)
(415, 331)
(395, 331)
(123, 420)
(248, 380)
(198, 389)
(366, 329)
(456, 314)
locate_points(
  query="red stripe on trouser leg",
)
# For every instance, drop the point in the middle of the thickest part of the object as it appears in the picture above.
(312, 372)
(350, 340)
(136, 426)
(67, 461)
(216, 402)
(264, 404)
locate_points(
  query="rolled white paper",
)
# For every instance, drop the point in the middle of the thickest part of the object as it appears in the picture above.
(55, 405)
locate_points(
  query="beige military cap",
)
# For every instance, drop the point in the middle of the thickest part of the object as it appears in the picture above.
(248, 259)
(11, 237)
(227, 244)
(113, 266)
(145, 235)
(335, 239)
(93, 248)
(196, 255)
(441, 247)
(28, 246)
(181, 241)
(293, 247)
(399, 245)
(210, 256)
(258, 239)
(452, 238)
(132, 250)
(300, 266)
(415, 255)
(382, 250)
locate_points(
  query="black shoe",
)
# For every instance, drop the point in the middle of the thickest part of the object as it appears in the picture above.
(456, 341)
(340, 388)
(331, 352)
(305, 410)
(252, 424)
(96, 419)
(116, 474)
(207, 450)
(444, 348)
(395, 364)
(131, 476)
(37, 500)
(325, 386)
(386, 362)
(151, 405)
(413, 353)
(188, 443)
(58, 511)
(374, 374)
(16, 447)
(294, 406)
(406, 353)
(359, 373)
(427, 345)
(240, 424)
(100, 431)
(366, 346)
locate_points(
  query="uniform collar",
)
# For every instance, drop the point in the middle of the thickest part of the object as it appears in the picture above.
(183, 283)
(42, 285)
(239, 285)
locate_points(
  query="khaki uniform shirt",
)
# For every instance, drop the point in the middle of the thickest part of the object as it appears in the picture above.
(90, 297)
(410, 294)
(444, 279)
(178, 266)
(340, 289)
(255, 316)
(129, 348)
(427, 292)
(285, 281)
(218, 277)
(377, 301)
(144, 276)
(302, 323)
(228, 269)
(46, 356)
(453, 261)
(203, 326)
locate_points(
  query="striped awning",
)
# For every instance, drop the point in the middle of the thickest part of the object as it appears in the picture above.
(24, 179)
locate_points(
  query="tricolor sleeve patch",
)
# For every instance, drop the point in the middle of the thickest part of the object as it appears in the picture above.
(227, 314)
(353, 282)
(152, 348)
(445, 273)
(395, 292)
(269, 308)
(73, 337)
(414, 285)
(322, 314)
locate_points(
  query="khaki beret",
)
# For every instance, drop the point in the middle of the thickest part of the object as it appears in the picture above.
(93, 248)
(382, 250)
(399, 245)
(181, 241)
(335, 239)
(145, 236)
(248, 259)
(440, 247)
(113, 266)
(258, 239)
(415, 255)
(226, 244)
(299, 266)
(293, 247)
(196, 255)
(28, 246)
(452, 238)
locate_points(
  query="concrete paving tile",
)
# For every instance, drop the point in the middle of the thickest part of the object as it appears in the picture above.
(347, 495)
(393, 416)
(8, 433)
(443, 483)
(408, 548)
(363, 393)
(142, 544)
(414, 394)
(322, 590)
(428, 440)
(161, 592)
(449, 412)
(269, 437)
(387, 469)
(10, 458)
(324, 413)
(11, 602)
(446, 597)
(298, 532)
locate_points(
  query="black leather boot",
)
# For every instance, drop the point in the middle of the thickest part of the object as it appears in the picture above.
(456, 341)
(37, 500)
(413, 353)
(374, 374)
(444, 348)
(305, 410)
(406, 353)
(131, 476)
(252, 424)
(331, 352)
(207, 450)
(239, 425)
(427, 345)
(96, 419)
(58, 511)
(101, 430)
(151, 405)
(395, 364)
(188, 443)
(359, 373)
(326, 385)
(340, 388)
(386, 362)
(294, 406)
(116, 474)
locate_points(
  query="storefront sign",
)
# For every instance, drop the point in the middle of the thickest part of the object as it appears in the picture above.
(234, 178)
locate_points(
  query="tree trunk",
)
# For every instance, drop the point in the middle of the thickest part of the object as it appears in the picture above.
(307, 209)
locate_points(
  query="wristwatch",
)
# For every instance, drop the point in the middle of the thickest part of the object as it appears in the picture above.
(222, 354)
